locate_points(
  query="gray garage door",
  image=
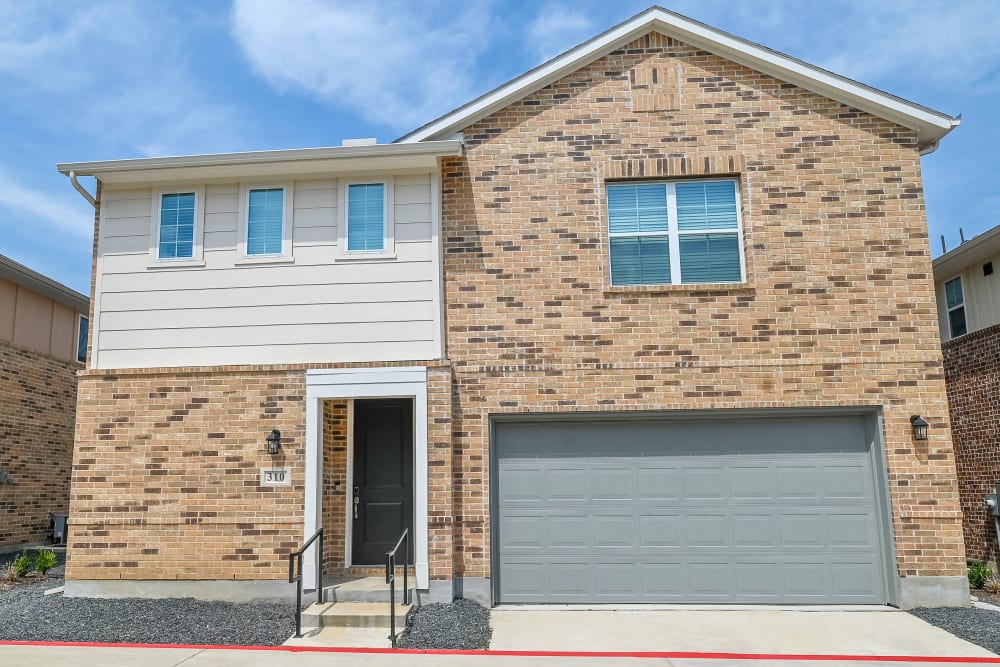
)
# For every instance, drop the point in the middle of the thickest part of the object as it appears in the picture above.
(713, 511)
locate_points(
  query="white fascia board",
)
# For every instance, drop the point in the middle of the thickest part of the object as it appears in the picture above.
(931, 125)
(267, 163)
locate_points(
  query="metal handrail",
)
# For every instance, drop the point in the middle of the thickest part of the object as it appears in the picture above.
(296, 557)
(390, 578)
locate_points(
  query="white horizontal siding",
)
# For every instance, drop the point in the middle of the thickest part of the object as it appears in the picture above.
(313, 309)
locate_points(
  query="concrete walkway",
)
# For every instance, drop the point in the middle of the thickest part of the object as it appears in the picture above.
(877, 632)
(758, 631)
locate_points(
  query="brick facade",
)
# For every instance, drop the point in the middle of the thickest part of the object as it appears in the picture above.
(166, 475)
(972, 369)
(335, 439)
(838, 308)
(37, 411)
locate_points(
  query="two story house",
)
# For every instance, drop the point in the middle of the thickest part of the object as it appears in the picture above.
(652, 322)
(968, 303)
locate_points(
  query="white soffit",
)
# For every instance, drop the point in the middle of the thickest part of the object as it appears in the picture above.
(930, 125)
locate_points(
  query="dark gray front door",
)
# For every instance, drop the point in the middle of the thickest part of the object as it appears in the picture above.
(761, 510)
(383, 477)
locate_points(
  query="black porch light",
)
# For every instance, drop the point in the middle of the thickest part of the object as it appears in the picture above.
(919, 427)
(273, 442)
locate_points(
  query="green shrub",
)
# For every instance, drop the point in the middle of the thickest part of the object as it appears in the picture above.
(22, 564)
(979, 573)
(45, 561)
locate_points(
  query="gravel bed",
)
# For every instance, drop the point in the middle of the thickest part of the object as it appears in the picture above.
(462, 624)
(979, 626)
(29, 615)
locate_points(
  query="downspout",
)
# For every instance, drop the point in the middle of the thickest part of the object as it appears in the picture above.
(82, 190)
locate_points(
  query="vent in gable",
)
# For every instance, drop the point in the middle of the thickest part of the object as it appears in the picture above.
(655, 85)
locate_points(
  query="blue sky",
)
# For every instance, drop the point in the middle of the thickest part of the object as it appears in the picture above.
(118, 79)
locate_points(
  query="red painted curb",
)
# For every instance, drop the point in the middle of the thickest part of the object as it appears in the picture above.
(695, 655)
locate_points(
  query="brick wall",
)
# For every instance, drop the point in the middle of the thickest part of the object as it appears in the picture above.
(972, 369)
(335, 439)
(37, 411)
(166, 475)
(838, 308)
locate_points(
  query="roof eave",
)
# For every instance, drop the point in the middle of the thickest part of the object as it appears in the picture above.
(930, 125)
(30, 279)
(429, 148)
(974, 250)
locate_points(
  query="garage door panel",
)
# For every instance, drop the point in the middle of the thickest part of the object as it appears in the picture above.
(704, 483)
(614, 531)
(754, 531)
(660, 530)
(657, 483)
(567, 484)
(752, 511)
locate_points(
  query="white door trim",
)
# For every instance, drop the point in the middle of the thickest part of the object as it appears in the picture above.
(350, 383)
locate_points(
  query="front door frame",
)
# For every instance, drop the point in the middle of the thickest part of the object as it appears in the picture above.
(352, 383)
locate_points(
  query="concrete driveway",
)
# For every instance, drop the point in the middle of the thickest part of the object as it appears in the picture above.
(867, 631)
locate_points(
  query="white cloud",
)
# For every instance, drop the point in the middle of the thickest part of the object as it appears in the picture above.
(559, 27)
(397, 63)
(943, 44)
(26, 205)
(121, 70)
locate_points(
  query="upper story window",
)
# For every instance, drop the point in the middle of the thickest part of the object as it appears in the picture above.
(177, 225)
(81, 339)
(955, 297)
(265, 224)
(675, 232)
(366, 217)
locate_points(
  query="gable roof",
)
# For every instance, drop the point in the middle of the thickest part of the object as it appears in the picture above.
(930, 125)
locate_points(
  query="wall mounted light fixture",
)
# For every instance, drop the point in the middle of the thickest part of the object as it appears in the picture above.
(919, 427)
(273, 442)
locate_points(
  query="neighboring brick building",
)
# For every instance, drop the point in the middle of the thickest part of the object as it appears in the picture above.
(968, 292)
(652, 330)
(43, 330)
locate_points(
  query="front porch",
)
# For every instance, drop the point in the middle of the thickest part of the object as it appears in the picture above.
(367, 478)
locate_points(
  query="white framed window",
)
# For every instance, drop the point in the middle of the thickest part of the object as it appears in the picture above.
(675, 232)
(265, 222)
(178, 225)
(82, 333)
(955, 299)
(366, 219)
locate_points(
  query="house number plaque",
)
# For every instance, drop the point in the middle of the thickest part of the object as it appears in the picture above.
(275, 477)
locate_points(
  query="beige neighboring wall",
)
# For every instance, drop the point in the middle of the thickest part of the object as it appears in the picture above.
(969, 262)
(39, 314)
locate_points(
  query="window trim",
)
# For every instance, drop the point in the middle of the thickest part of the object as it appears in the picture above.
(388, 250)
(287, 223)
(948, 309)
(197, 251)
(76, 338)
(674, 234)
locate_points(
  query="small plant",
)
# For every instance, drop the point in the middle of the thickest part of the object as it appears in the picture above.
(992, 585)
(979, 573)
(45, 561)
(22, 564)
(9, 572)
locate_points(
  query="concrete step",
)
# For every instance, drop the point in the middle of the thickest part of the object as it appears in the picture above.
(353, 615)
(364, 589)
